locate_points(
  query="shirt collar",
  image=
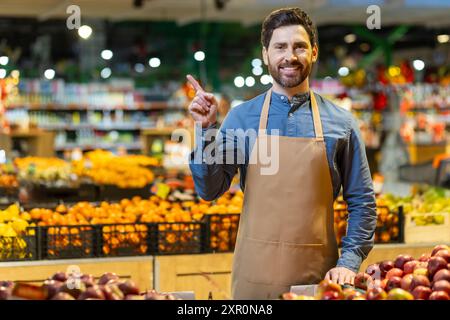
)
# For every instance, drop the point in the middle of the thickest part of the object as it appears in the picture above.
(299, 99)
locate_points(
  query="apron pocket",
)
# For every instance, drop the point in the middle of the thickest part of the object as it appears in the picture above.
(258, 260)
(302, 264)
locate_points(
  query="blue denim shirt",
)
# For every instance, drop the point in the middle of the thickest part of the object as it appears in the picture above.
(345, 153)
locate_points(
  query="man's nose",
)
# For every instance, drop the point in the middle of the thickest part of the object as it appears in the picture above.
(291, 55)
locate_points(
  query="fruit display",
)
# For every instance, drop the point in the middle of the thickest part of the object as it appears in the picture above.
(104, 168)
(8, 178)
(8, 181)
(124, 225)
(72, 286)
(133, 226)
(223, 219)
(14, 234)
(388, 222)
(423, 200)
(44, 170)
(403, 278)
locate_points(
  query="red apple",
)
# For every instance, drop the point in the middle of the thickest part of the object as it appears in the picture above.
(384, 283)
(106, 277)
(438, 248)
(362, 280)
(7, 284)
(53, 287)
(421, 292)
(435, 264)
(385, 266)
(406, 281)
(442, 275)
(395, 272)
(5, 293)
(112, 292)
(128, 287)
(94, 292)
(424, 257)
(88, 280)
(60, 276)
(442, 285)
(443, 254)
(393, 282)
(374, 271)
(409, 266)
(376, 294)
(439, 295)
(419, 281)
(401, 260)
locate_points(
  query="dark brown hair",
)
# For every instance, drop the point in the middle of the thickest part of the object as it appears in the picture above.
(287, 17)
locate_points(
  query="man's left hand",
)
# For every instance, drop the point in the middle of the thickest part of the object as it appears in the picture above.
(341, 275)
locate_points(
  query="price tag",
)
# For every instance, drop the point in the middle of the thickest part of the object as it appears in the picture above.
(162, 190)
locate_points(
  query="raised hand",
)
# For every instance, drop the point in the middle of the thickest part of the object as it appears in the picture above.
(203, 108)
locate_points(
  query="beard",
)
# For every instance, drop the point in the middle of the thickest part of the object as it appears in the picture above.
(290, 81)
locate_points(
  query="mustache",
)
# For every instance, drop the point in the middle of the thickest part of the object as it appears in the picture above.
(290, 65)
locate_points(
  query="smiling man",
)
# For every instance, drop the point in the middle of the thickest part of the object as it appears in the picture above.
(286, 235)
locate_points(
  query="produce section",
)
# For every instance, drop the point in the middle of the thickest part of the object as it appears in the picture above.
(99, 199)
(75, 286)
(404, 278)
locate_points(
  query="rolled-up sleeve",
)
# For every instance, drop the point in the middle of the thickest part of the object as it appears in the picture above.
(359, 195)
(213, 175)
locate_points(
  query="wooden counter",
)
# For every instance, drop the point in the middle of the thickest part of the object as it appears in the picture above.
(139, 269)
(201, 273)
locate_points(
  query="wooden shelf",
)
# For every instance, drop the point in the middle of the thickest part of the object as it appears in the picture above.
(71, 146)
(143, 106)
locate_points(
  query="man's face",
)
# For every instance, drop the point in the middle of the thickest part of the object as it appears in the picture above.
(290, 55)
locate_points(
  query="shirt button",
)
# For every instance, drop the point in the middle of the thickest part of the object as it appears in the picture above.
(290, 114)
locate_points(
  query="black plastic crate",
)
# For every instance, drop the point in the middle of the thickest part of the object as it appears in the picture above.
(68, 242)
(41, 192)
(112, 192)
(8, 196)
(124, 239)
(20, 248)
(222, 231)
(177, 238)
(389, 227)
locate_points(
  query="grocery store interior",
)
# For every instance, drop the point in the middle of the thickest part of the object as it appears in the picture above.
(91, 92)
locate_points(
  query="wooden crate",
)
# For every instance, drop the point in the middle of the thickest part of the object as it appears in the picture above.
(428, 233)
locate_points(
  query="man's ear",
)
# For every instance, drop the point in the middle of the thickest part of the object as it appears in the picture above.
(315, 53)
(265, 56)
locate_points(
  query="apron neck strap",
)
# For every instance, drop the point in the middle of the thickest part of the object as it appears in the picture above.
(315, 114)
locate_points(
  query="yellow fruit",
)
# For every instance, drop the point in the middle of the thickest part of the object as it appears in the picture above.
(19, 225)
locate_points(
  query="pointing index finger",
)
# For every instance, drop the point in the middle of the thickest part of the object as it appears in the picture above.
(194, 83)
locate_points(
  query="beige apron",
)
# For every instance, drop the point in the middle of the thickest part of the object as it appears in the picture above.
(286, 231)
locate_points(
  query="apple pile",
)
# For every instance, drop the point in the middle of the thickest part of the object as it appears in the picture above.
(426, 278)
(62, 287)
(405, 278)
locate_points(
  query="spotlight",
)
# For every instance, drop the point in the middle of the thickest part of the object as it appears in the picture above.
(220, 4)
(138, 3)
